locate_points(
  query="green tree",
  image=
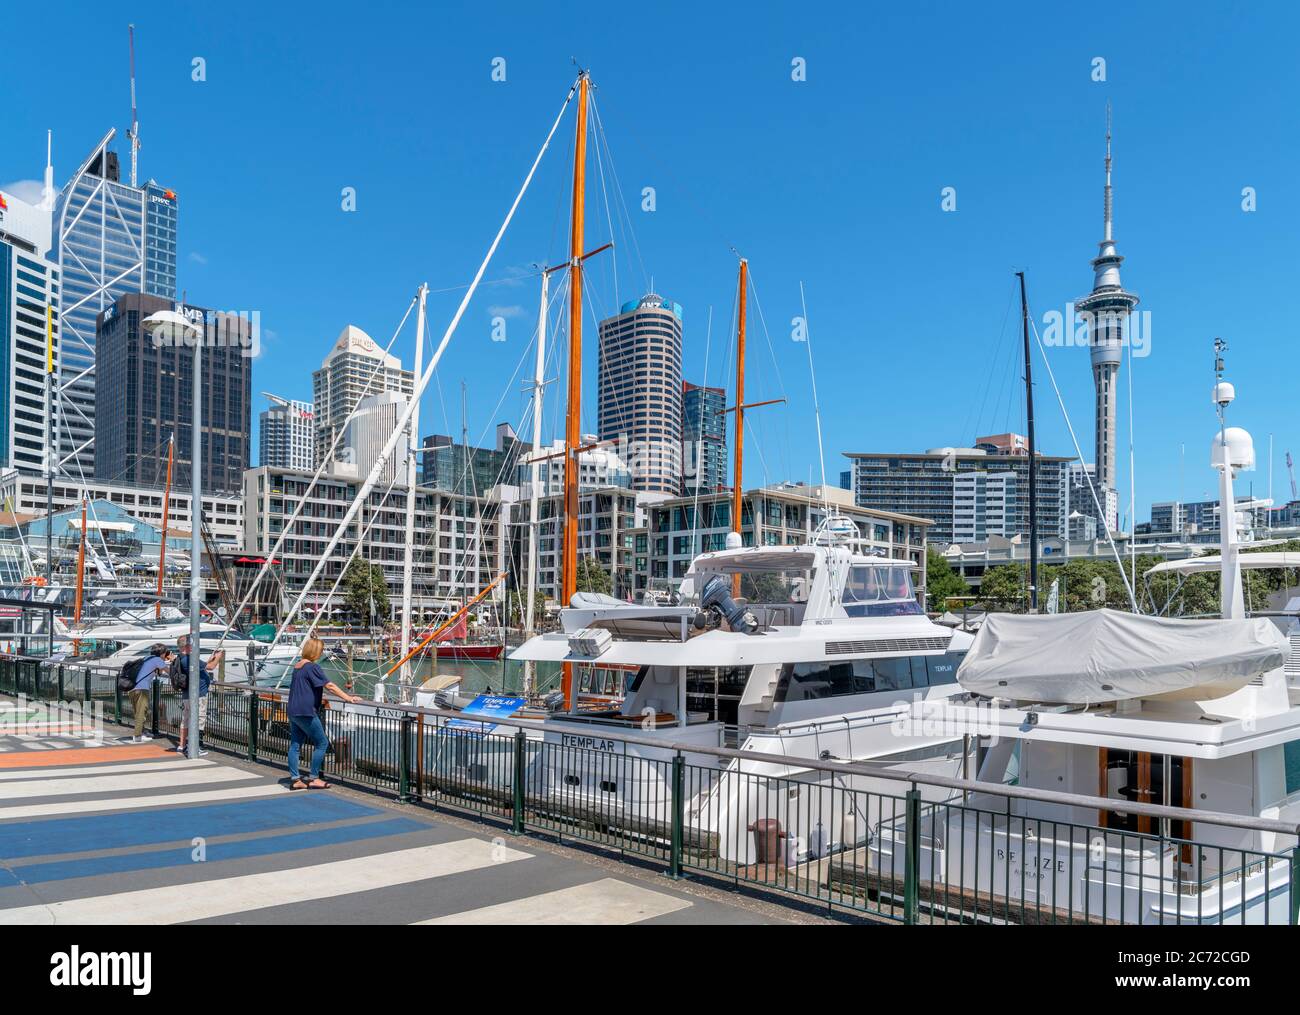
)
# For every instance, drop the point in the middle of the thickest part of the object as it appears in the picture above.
(519, 604)
(941, 581)
(592, 577)
(1004, 587)
(366, 591)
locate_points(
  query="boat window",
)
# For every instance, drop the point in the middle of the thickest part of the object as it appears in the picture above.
(872, 590)
(810, 681)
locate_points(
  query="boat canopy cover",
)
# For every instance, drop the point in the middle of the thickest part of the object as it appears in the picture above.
(1105, 655)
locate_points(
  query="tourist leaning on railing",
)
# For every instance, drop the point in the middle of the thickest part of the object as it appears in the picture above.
(304, 706)
(181, 682)
(159, 660)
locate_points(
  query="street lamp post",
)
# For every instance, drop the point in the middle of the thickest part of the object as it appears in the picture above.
(174, 327)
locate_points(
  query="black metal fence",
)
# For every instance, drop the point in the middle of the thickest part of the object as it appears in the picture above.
(850, 837)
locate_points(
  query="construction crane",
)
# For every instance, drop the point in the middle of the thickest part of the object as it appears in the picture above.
(1290, 468)
(134, 132)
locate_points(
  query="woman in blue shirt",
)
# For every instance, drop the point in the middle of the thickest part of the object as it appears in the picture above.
(304, 704)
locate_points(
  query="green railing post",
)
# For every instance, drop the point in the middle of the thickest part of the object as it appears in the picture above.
(1295, 886)
(60, 677)
(517, 789)
(117, 701)
(679, 816)
(912, 861)
(404, 761)
(254, 707)
(155, 690)
(86, 685)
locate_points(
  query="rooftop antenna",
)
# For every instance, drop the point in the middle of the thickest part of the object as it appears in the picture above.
(47, 190)
(134, 132)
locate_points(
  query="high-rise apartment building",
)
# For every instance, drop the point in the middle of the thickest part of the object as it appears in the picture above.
(355, 367)
(639, 382)
(286, 435)
(704, 438)
(365, 436)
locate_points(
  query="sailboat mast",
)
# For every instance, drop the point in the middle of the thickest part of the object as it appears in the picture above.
(414, 443)
(573, 418)
(1033, 452)
(738, 467)
(534, 474)
(162, 547)
(81, 565)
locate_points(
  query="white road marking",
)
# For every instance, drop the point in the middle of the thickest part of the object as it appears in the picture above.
(182, 776)
(132, 803)
(608, 902)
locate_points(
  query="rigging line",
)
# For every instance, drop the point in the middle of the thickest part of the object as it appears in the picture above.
(600, 172)
(602, 136)
(326, 459)
(988, 376)
(1132, 476)
(429, 370)
(362, 536)
(776, 368)
(817, 412)
(1079, 452)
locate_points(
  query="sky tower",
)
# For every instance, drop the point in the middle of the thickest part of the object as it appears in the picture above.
(1106, 309)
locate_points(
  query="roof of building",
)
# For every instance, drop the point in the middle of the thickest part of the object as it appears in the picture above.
(353, 339)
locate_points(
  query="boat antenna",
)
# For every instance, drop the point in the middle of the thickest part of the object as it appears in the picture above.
(1033, 452)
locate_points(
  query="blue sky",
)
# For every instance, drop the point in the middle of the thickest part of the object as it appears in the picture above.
(834, 181)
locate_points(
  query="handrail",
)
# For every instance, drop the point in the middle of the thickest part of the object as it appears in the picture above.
(862, 768)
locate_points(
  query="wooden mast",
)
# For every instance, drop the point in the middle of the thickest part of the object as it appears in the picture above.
(573, 419)
(738, 488)
(162, 549)
(81, 565)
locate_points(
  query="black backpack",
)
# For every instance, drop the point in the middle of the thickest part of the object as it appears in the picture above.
(126, 679)
(176, 673)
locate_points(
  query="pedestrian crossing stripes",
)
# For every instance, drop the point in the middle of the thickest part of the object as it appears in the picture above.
(607, 902)
(131, 833)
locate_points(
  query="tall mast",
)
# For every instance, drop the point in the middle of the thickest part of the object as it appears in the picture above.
(1033, 454)
(414, 441)
(50, 450)
(134, 132)
(81, 564)
(162, 548)
(573, 419)
(534, 474)
(738, 488)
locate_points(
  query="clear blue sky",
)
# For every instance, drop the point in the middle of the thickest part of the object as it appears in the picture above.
(834, 181)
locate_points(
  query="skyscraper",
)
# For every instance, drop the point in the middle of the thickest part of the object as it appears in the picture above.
(704, 438)
(640, 391)
(286, 435)
(142, 396)
(355, 367)
(103, 239)
(28, 285)
(1106, 309)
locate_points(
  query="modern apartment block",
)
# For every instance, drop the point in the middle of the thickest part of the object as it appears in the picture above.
(355, 367)
(369, 431)
(606, 518)
(458, 547)
(704, 438)
(943, 484)
(286, 435)
(639, 384)
(786, 514)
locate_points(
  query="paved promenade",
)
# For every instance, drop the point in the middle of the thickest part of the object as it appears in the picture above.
(97, 831)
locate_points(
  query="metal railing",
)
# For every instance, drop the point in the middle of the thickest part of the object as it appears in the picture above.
(901, 846)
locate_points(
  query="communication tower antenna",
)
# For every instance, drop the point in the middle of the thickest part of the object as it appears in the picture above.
(134, 132)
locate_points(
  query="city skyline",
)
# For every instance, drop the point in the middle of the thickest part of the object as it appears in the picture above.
(842, 189)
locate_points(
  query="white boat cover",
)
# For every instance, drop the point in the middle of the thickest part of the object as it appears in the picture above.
(1105, 655)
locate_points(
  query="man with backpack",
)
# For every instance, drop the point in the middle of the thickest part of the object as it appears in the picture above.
(137, 679)
(179, 674)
